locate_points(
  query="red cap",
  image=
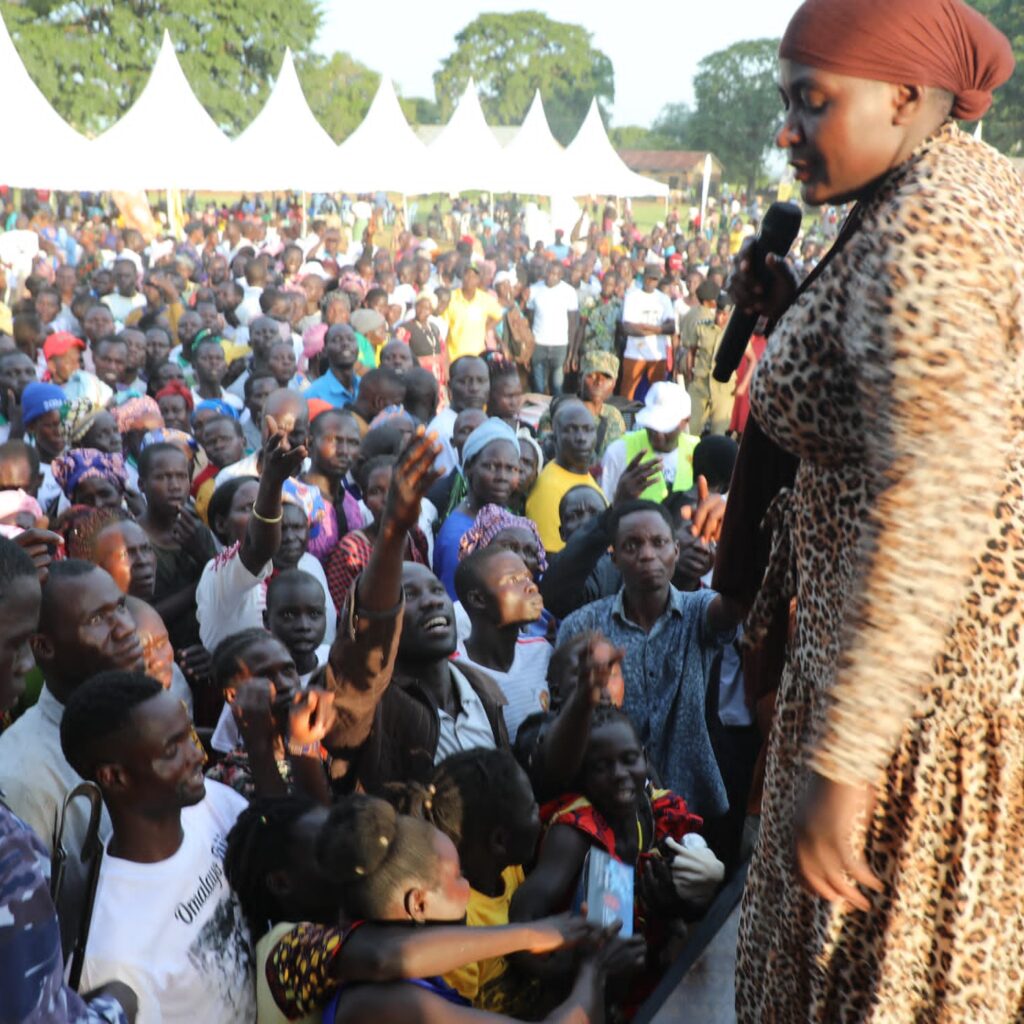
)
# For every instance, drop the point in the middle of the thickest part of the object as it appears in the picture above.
(317, 406)
(675, 261)
(59, 343)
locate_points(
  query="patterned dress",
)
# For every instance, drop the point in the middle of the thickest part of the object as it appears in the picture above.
(897, 377)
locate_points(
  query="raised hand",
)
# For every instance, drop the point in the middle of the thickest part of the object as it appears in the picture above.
(41, 546)
(310, 717)
(253, 711)
(599, 676)
(636, 478)
(706, 519)
(280, 459)
(414, 475)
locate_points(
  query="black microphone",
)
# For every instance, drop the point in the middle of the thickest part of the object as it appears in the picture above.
(778, 232)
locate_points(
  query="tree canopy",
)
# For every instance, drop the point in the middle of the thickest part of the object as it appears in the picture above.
(737, 110)
(339, 90)
(1004, 124)
(230, 52)
(510, 56)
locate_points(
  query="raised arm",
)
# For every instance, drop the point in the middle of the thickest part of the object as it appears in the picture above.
(263, 535)
(362, 657)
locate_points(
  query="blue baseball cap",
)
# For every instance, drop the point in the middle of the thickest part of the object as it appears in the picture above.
(38, 399)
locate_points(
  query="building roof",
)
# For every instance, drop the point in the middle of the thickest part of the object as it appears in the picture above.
(681, 161)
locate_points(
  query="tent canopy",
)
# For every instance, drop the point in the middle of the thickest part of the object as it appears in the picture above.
(383, 153)
(466, 151)
(284, 134)
(594, 168)
(166, 139)
(43, 150)
(533, 162)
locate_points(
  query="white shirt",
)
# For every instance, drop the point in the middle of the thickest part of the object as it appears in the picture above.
(249, 308)
(613, 465)
(121, 305)
(444, 425)
(470, 729)
(174, 930)
(551, 308)
(229, 598)
(651, 308)
(525, 684)
(225, 396)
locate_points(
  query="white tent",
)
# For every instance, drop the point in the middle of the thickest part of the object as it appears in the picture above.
(165, 140)
(594, 168)
(383, 152)
(466, 154)
(533, 162)
(42, 150)
(284, 146)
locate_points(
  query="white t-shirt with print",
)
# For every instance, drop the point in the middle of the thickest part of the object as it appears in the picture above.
(174, 930)
(525, 684)
(551, 308)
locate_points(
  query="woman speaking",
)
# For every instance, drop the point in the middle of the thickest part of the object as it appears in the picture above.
(887, 882)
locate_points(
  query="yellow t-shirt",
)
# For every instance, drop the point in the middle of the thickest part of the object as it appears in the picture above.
(548, 491)
(467, 322)
(479, 982)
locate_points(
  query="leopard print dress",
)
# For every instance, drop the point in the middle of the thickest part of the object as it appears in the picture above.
(897, 377)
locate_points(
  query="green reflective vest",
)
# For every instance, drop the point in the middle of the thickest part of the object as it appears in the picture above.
(637, 442)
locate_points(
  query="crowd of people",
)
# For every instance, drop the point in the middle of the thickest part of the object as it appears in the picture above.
(391, 622)
(368, 583)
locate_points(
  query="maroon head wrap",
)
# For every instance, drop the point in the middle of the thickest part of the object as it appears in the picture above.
(942, 43)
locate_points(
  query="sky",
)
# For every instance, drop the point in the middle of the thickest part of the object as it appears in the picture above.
(654, 45)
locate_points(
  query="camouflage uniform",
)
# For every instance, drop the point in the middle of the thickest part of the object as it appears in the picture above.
(32, 989)
(711, 401)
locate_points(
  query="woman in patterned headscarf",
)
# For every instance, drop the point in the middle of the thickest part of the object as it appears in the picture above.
(88, 476)
(886, 882)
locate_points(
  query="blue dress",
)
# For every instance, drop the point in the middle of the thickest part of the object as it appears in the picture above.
(446, 548)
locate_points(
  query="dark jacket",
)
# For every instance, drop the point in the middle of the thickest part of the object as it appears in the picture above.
(388, 728)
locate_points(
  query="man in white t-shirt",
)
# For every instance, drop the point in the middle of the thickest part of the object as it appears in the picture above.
(648, 321)
(127, 296)
(165, 920)
(553, 310)
(500, 597)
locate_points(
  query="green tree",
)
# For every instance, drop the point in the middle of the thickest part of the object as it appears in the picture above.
(92, 58)
(420, 110)
(510, 56)
(737, 110)
(634, 136)
(1004, 123)
(339, 91)
(675, 122)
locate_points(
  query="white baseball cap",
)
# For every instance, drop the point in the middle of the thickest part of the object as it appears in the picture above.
(666, 406)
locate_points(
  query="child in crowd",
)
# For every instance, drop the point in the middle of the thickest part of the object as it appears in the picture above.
(614, 807)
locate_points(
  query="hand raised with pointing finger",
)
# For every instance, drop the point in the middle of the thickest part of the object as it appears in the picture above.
(415, 473)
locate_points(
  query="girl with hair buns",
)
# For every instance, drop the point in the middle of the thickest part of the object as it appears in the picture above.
(888, 408)
(291, 860)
